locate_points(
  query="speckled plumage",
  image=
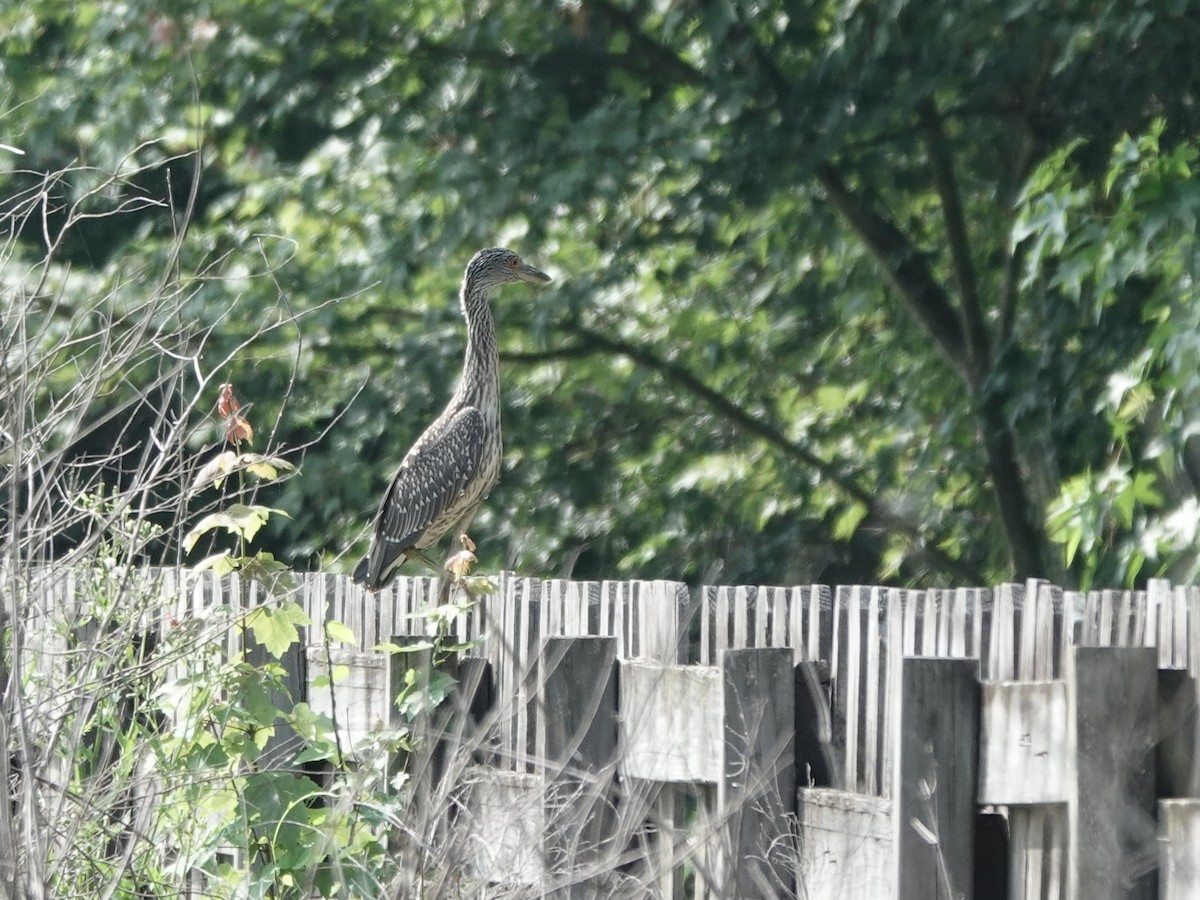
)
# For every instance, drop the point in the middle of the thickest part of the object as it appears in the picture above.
(455, 463)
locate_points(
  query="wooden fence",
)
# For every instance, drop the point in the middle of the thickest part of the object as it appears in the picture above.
(637, 739)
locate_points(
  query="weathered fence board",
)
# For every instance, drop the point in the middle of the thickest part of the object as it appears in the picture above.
(1087, 718)
(846, 846)
(935, 778)
(1111, 807)
(671, 715)
(1179, 833)
(758, 787)
(1024, 743)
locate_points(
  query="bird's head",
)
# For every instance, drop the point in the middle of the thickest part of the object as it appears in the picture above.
(495, 266)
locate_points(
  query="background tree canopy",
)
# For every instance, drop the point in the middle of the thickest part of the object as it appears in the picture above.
(843, 291)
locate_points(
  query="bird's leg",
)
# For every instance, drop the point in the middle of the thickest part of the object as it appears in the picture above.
(424, 557)
(459, 563)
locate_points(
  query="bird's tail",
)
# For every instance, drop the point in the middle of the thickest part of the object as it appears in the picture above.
(361, 570)
(376, 578)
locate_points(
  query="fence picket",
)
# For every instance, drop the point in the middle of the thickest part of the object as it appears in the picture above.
(857, 637)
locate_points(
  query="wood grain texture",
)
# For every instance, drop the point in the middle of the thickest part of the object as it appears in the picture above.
(671, 721)
(758, 788)
(935, 776)
(1179, 832)
(1114, 693)
(1023, 743)
(846, 846)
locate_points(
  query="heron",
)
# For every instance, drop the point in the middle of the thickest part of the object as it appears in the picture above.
(453, 466)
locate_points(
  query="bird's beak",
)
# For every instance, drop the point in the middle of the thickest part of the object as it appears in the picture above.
(533, 276)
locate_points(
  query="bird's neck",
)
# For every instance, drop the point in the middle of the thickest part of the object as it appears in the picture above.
(480, 383)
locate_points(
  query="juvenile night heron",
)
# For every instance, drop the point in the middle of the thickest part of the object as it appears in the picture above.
(454, 465)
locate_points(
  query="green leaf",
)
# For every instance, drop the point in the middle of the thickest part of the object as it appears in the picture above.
(848, 520)
(226, 463)
(276, 628)
(240, 519)
(222, 563)
(336, 631)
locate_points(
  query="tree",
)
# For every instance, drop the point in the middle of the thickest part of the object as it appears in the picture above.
(816, 315)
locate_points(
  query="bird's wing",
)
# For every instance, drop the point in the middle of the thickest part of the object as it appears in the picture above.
(433, 475)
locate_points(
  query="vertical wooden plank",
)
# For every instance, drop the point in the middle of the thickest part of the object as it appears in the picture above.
(1004, 645)
(935, 779)
(579, 692)
(1019, 853)
(1193, 644)
(846, 850)
(1054, 629)
(675, 604)
(516, 669)
(815, 620)
(823, 605)
(797, 601)
(761, 614)
(984, 624)
(724, 615)
(741, 602)
(914, 603)
(619, 591)
(1160, 619)
(1089, 632)
(958, 616)
(531, 751)
(1110, 602)
(1038, 841)
(991, 857)
(1124, 636)
(1074, 615)
(874, 673)
(927, 639)
(1057, 842)
(847, 683)
(778, 599)
(945, 605)
(1113, 693)
(757, 794)
(1177, 761)
(1028, 615)
(894, 620)
(1179, 637)
(1179, 824)
(706, 625)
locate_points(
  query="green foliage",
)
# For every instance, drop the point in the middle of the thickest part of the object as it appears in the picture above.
(750, 214)
(1135, 232)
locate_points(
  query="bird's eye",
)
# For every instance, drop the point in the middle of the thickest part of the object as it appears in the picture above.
(514, 261)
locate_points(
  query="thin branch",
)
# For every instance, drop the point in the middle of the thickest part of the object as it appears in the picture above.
(593, 342)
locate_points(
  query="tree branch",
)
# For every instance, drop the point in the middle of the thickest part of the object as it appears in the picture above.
(903, 266)
(643, 47)
(973, 324)
(593, 342)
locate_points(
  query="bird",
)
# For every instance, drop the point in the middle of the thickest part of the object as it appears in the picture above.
(455, 463)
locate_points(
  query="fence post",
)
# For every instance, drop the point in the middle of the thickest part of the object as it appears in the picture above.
(1179, 823)
(757, 795)
(1177, 763)
(936, 771)
(579, 697)
(1113, 692)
